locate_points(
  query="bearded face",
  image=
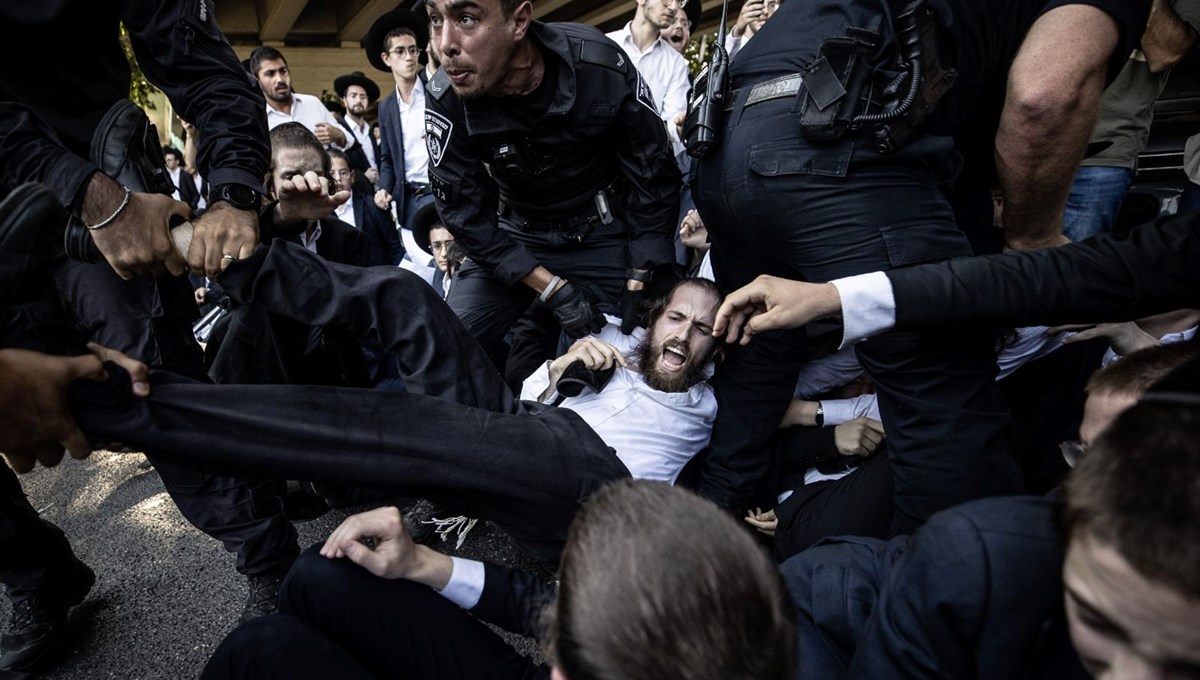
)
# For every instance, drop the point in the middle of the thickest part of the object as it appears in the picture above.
(677, 347)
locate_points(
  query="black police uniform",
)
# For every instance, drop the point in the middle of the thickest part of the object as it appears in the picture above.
(777, 203)
(48, 114)
(541, 160)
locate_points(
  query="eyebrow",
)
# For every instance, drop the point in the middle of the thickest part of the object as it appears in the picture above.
(1094, 613)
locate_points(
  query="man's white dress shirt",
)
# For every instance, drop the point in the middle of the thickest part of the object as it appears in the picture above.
(308, 110)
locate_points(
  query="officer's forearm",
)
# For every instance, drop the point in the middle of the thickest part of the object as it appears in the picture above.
(541, 277)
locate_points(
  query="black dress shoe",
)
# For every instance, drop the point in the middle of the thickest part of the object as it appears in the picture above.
(125, 147)
(39, 623)
(31, 221)
(263, 598)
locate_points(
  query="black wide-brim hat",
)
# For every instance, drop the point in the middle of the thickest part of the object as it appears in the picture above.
(342, 83)
(396, 18)
(693, 9)
(423, 222)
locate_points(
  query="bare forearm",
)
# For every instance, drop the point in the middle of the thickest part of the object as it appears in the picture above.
(1167, 39)
(430, 568)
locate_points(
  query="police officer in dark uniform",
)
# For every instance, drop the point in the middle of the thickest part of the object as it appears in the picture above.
(550, 168)
(48, 117)
(833, 155)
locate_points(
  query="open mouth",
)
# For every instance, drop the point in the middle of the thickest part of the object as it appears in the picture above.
(673, 358)
(458, 77)
(675, 38)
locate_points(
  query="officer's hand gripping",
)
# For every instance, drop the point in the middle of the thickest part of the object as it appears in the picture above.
(577, 314)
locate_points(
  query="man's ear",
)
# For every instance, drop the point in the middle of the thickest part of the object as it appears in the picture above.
(522, 17)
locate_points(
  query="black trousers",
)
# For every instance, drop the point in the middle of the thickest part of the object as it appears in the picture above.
(29, 545)
(337, 620)
(859, 504)
(596, 264)
(775, 203)
(457, 435)
(150, 319)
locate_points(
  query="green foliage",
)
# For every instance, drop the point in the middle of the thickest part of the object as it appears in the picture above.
(141, 91)
(692, 51)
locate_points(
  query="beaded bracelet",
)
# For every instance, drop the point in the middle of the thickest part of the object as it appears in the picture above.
(116, 213)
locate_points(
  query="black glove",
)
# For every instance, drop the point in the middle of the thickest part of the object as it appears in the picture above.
(577, 314)
(631, 309)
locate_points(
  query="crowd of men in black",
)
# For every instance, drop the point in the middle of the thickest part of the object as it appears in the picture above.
(845, 359)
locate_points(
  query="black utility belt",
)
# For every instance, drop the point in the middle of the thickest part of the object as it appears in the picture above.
(577, 226)
(776, 88)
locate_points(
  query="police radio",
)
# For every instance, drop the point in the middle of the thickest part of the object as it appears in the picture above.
(701, 127)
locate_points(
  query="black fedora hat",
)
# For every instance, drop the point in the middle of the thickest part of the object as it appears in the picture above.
(396, 18)
(341, 83)
(423, 222)
(693, 9)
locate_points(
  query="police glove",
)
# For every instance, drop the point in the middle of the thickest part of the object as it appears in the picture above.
(577, 314)
(631, 309)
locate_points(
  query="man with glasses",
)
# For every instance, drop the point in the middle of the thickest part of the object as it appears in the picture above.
(360, 212)
(396, 43)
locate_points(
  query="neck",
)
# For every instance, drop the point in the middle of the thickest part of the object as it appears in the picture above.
(644, 33)
(282, 107)
(525, 71)
(404, 86)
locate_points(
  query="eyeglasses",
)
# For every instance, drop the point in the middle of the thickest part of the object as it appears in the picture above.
(337, 174)
(675, 4)
(411, 50)
(1072, 451)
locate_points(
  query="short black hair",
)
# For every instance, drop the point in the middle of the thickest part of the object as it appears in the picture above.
(293, 135)
(264, 53)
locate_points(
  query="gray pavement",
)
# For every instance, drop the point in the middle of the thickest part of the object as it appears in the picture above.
(166, 594)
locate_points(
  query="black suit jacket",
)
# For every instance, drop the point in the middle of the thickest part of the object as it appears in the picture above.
(340, 242)
(187, 190)
(383, 239)
(1155, 269)
(975, 593)
(391, 148)
(355, 153)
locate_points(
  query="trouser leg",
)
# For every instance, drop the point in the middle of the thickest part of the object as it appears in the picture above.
(281, 647)
(526, 471)
(148, 319)
(437, 355)
(395, 628)
(859, 504)
(29, 545)
(945, 419)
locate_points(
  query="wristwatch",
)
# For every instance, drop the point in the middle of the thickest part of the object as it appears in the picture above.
(238, 195)
(819, 416)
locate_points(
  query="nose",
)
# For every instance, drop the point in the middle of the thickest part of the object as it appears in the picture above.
(447, 42)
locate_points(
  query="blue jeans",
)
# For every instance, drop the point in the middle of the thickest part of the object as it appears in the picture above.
(1190, 200)
(1095, 200)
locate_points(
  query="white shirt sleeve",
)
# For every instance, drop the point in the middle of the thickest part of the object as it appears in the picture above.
(838, 411)
(868, 306)
(537, 383)
(465, 586)
(329, 120)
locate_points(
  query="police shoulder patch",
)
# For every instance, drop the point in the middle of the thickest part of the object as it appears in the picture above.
(438, 129)
(438, 85)
(603, 54)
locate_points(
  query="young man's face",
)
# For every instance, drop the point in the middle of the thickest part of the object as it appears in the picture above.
(402, 56)
(660, 13)
(172, 161)
(441, 243)
(275, 80)
(291, 162)
(1124, 625)
(476, 41)
(343, 175)
(679, 32)
(679, 343)
(356, 100)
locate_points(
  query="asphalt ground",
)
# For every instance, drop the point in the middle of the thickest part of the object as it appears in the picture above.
(165, 593)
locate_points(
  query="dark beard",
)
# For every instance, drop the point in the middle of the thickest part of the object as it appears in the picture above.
(647, 363)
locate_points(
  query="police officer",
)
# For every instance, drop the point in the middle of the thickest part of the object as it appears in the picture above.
(812, 183)
(551, 127)
(48, 117)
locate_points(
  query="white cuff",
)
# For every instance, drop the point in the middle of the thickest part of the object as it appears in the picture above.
(838, 411)
(868, 306)
(466, 583)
